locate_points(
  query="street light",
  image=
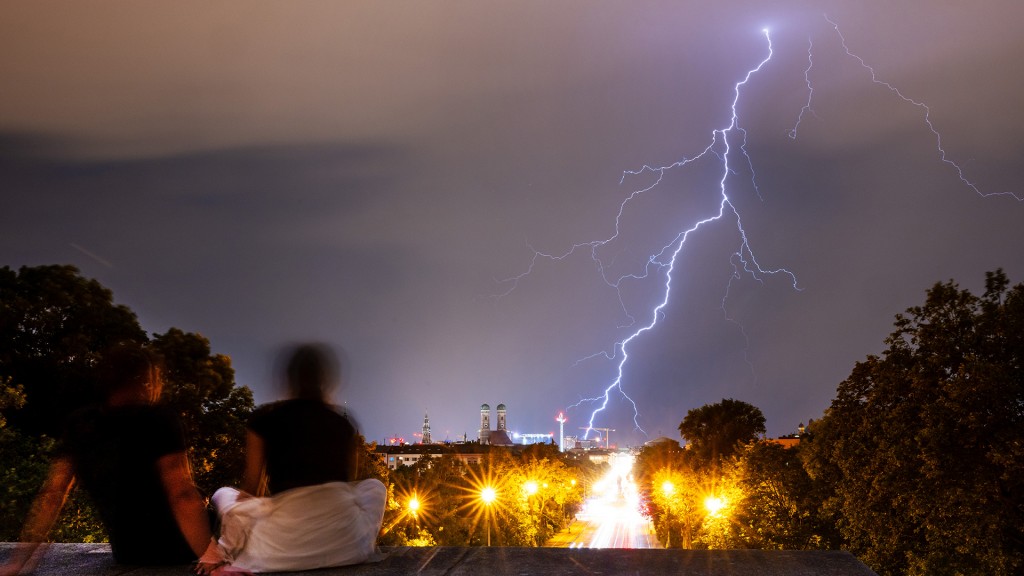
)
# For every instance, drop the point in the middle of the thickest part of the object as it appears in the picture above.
(414, 505)
(714, 505)
(488, 495)
(530, 487)
(668, 489)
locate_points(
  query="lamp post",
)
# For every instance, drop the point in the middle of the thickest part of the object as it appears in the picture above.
(488, 495)
(668, 489)
(530, 489)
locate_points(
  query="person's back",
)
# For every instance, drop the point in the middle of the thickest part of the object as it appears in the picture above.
(114, 450)
(316, 515)
(306, 442)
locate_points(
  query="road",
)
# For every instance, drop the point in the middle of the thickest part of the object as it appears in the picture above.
(611, 517)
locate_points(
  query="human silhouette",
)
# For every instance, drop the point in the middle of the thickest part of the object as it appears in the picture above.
(300, 506)
(129, 454)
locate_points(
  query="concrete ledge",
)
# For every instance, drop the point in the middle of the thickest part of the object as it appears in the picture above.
(95, 560)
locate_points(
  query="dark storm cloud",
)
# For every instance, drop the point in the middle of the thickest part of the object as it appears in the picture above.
(366, 174)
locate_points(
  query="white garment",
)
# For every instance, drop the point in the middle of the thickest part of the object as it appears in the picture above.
(332, 524)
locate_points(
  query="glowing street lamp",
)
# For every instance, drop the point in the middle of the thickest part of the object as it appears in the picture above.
(488, 495)
(413, 505)
(714, 505)
(668, 488)
(530, 487)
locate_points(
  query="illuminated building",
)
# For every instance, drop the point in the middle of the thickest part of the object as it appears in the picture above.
(426, 429)
(497, 437)
(484, 433)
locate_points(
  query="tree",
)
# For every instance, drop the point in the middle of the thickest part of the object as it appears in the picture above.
(200, 386)
(714, 432)
(544, 487)
(673, 486)
(781, 504)
(20, 471)
(923, 446)
(53, 325)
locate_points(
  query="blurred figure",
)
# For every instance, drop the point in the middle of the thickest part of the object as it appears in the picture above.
(300, 507)
(129, 455)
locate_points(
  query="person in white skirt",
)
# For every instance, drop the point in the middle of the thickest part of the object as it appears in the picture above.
(300, 506)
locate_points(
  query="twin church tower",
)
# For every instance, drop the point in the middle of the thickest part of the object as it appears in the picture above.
(485, 435)
(497, 437)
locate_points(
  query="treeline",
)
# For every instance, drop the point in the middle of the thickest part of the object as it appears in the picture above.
(917, 467)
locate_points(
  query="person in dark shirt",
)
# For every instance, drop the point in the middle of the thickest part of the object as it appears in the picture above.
(129, 455)
(301, 467)
(305, 442)
(114, 451)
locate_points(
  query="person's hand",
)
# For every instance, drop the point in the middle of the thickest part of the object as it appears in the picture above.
(229, 570)
(212, 560)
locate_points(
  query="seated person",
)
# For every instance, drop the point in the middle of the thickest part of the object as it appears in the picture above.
(129, 455)
(302, 452)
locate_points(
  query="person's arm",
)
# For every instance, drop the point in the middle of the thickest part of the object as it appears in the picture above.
(255, 464)
(355, 458)
(41, 517)
(188, 508)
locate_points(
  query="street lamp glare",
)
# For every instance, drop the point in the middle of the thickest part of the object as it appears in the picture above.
(714, 505)
(668, 487)
(488, 495)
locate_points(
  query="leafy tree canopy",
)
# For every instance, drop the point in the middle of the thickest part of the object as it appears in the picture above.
(53, 325)
(713, 432)
(923, 446)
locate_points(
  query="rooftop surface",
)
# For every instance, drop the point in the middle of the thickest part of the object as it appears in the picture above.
(96, 560)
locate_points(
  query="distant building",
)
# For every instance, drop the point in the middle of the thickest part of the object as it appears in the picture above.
(662, 440)
(468, 453)
(426, 429)
(497, 437)
(789, 440)
(410, 454)
(484, 434)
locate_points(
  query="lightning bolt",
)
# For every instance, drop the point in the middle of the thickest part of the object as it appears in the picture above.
(664, 261)
(723, 146)
(810, 90)
(927, 118)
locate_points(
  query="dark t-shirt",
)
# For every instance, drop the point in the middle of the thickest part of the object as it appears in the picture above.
(306, 442)
(114, 451)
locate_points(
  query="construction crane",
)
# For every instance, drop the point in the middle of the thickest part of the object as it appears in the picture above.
(607, 436)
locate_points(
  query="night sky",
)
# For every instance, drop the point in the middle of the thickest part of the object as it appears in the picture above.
(373, 174)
